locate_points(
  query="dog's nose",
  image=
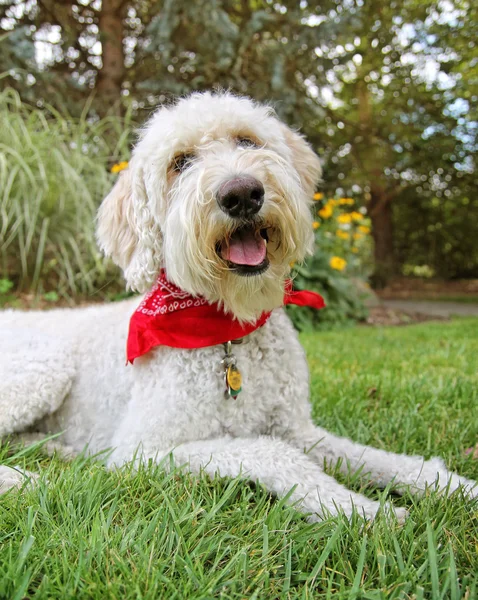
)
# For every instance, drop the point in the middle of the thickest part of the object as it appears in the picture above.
(241, 197)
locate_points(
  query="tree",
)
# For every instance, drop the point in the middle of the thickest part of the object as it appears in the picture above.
(110, 78)
(71, 49)
(392, 127)
(383, 91)
(61, 57)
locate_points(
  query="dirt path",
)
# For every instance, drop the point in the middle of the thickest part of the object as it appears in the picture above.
(434, 308)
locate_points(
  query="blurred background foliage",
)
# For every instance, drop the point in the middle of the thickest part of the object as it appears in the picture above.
(385, 92)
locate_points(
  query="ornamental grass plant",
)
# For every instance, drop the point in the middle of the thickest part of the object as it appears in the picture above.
(54, 171)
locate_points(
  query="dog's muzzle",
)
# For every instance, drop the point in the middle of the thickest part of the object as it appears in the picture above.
(244, 250)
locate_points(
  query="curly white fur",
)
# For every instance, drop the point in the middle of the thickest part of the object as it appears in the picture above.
(172, 400)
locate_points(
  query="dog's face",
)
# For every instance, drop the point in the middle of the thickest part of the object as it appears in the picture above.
(218, 193)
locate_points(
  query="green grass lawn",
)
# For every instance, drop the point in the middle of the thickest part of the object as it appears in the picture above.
(90, 533)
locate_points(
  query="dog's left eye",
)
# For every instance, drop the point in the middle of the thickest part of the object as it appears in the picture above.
(246, 142)
(182, 161)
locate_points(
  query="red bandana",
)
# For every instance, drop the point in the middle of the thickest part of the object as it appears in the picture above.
(168, 316)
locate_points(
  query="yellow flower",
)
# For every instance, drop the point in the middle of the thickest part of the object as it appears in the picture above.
(326, 212)
(364, 229)
(346, 201)
(356, 216)
(345, 218)
(119, 166)
(318, 196)
(331, 202)
(355, 250)
(357, 236)
(343, 235)
(291, 264)
(337, 263)
(315, 224)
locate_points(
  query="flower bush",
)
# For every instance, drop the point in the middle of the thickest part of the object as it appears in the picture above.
(342, 258)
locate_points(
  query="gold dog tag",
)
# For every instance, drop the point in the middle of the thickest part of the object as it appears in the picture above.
(234, 379)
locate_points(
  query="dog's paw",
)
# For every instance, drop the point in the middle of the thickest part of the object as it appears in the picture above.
(15, 478)
(467, 486)
(369, 510)
(434, 475)
(395, 513)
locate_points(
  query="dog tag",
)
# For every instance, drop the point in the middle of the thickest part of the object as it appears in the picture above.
(234, 380)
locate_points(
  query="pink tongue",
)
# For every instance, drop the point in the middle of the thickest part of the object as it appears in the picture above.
(245, 248)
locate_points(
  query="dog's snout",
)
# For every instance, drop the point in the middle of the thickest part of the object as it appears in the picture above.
(241, 197)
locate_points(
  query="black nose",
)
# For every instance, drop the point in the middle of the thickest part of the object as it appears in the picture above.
(241, 197)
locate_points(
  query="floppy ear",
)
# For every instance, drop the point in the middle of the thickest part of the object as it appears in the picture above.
(127, 231)
(305, 160)
(115, 231)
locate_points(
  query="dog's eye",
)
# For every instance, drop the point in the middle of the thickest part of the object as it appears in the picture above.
(182, 161)
(246, 142)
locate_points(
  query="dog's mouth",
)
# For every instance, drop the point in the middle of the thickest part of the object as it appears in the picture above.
(245, 250)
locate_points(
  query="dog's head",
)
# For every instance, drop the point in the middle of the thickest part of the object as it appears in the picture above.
(217, 192)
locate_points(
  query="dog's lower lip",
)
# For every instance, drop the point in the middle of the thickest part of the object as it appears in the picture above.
(249, 271)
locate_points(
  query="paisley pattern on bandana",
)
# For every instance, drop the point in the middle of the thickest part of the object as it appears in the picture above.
(166, 297)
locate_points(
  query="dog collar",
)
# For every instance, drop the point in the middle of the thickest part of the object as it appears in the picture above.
(169, 316)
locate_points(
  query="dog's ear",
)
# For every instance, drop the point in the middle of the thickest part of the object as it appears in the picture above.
(305, 160)
(127, 231)
(116, 233)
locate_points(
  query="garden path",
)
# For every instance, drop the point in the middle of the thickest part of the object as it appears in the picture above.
(434, 308)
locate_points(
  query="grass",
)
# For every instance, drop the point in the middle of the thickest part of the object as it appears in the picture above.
(90, 533)
(54, 171)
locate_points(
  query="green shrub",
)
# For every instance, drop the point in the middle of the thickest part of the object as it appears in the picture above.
(342, 255)
(54, 171)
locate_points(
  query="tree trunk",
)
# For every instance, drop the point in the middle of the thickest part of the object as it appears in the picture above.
(112, 73)
(382, 233)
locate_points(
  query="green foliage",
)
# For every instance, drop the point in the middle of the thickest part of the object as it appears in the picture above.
(51, 297)
(339, 267)
(5, 286)
(438, 235)
(54, 170)
(399, 124)
(89, 533)
(343, 303)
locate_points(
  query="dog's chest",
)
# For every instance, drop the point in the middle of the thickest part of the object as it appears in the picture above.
(274, 385)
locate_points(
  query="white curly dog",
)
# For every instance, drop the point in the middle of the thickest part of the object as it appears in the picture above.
(218, 195)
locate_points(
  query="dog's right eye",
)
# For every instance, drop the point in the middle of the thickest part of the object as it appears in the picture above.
(182, 161)
(246, 142)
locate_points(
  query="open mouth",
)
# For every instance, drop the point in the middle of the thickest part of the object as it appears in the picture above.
(245, 251)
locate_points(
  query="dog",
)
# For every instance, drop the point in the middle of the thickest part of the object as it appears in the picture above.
(209, 215)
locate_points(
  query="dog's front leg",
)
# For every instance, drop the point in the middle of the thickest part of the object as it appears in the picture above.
(381, 467)
(279, 467)
(15, 478)
(36, 374)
